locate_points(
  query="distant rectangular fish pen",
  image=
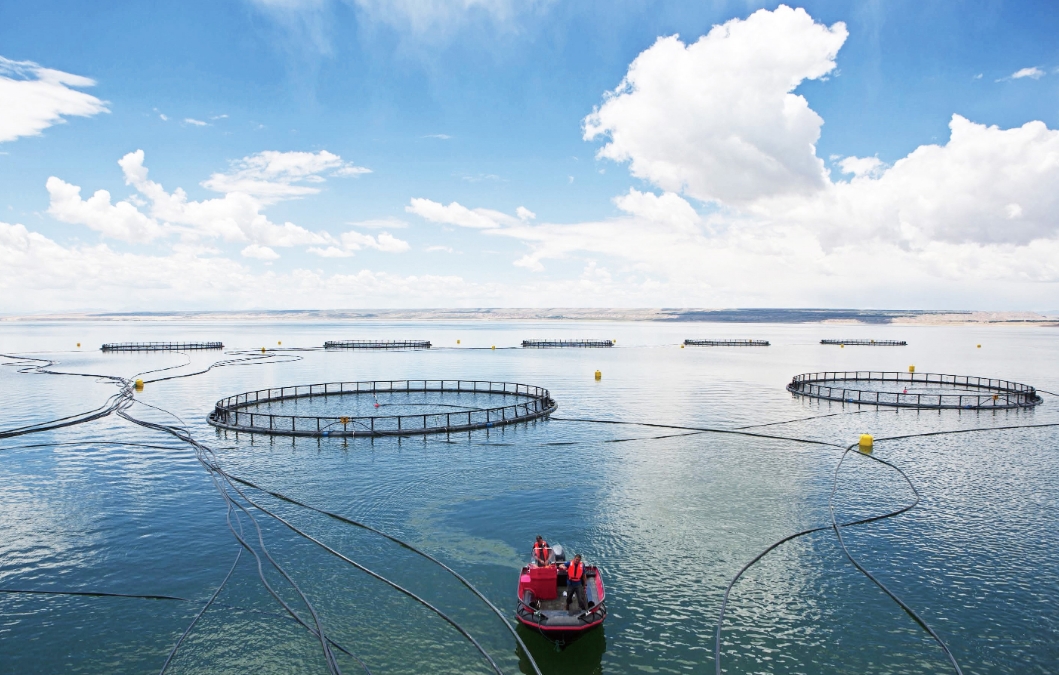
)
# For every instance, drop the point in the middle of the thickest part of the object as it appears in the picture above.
(567, 343)
(727, 343)
(868, 343)
(377, 344)
(160, 346)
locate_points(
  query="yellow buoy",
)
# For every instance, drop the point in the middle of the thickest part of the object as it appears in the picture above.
(842, 346)
(494, 347)
(457, 342)
(79, 344)
(262, 350)
(280, 343)
(681, 346)
(599, 375)
(343, 420)
(866, 442)
(139, 385)
(911, 369)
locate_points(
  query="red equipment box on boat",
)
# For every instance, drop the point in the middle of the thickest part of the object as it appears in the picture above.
(543, 582)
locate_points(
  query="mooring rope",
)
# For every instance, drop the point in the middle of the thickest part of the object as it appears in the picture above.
(121, 401)
(835, 526)
(405, 544)
(838, 533)
(198, 616)
(708, 430)
(183, 434)
(776, 544)
(91, 594)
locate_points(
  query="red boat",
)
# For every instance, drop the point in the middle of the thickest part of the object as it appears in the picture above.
(542, 596)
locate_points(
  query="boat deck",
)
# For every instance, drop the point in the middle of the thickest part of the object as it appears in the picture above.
(554, 611)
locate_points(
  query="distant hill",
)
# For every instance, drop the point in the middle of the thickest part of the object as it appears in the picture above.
(745, 315)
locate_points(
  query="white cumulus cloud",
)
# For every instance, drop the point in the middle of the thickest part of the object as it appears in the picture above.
(38, 272)
(986, 185)
(235, 217)
(259, 252)
(271, 176)
(35, 98)
(457, 214)
(1033, 72)
(717, 119)
(862, 166)
(353, 241)
(119, 221)
(331, 252)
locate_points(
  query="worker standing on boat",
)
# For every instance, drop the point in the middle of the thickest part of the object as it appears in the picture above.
(575, 586)
(541, 551)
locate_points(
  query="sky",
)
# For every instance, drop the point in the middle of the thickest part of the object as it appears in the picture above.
(326, 154)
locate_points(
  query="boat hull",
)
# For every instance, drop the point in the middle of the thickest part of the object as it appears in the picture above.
(542, 602)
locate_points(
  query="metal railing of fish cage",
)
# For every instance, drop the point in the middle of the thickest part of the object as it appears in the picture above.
(727, 343)
(160, 346)
(230, 413)
(996, 394)
(377, 344)
(542, 344)
(867, 343)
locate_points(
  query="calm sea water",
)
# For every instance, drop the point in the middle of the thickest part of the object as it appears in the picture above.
(669, 518)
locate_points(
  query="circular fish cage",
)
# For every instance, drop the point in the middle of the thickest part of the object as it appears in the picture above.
(421, 407)
(545, 344)
(866, 343)
(159, 346)
(727, 343)
(915, 390)
(377, 344)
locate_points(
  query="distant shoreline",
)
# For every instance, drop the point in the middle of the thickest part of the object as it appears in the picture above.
(788, 316)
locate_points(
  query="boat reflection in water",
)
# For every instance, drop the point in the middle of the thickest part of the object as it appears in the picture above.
(581, 656)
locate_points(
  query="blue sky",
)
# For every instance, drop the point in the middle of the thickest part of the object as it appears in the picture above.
(422, 128)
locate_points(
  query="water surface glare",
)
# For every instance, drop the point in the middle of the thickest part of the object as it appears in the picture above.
(669, 514)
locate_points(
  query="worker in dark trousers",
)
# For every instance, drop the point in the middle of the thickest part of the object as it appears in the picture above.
(575, 583)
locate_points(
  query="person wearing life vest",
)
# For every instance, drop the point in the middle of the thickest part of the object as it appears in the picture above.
(541, 551)
(575, 583)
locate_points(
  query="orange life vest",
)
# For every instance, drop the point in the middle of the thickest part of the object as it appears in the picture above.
(540, 550)
(575, 571)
